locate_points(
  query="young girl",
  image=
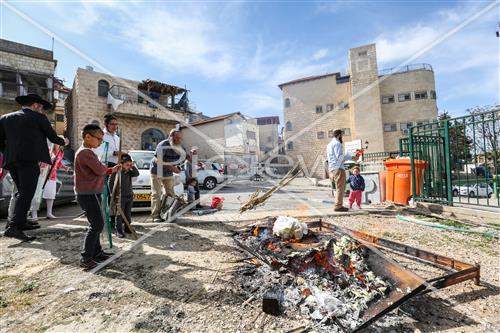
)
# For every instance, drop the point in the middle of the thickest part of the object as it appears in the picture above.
(128, 171)
(357, 183)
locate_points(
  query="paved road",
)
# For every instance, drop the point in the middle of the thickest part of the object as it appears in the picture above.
(299, 197)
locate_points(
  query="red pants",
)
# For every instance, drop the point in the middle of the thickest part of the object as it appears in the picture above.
(355, 196)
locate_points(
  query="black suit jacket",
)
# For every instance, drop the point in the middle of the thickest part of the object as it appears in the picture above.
(23, 137)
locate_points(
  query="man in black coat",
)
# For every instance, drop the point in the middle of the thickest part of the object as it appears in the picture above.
(23, 142)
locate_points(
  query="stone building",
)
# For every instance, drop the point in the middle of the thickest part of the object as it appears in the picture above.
(25, 69)
(373, 106)
(61, 92)
(268, 136)
(230, 139)
(143, 124)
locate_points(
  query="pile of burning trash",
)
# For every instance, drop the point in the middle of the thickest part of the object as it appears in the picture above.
(320, 276)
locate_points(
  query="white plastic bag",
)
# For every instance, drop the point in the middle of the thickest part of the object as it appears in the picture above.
(288, 227)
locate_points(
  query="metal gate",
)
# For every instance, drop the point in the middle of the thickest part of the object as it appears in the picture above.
(462, 159)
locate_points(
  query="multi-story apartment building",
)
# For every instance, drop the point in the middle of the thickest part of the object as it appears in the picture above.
(25, 70)
(268, 136)
(142, 123)
(374, 106)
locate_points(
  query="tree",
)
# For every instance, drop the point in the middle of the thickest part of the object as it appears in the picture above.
(460, 144)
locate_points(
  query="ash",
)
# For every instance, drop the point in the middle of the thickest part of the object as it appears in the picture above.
(327, 282)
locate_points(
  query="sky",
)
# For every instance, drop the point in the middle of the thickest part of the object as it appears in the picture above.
(232, 55)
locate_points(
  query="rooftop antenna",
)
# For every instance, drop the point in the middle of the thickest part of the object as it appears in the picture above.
(52, 46)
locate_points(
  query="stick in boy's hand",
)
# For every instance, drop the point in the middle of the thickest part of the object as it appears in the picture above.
(116, 168)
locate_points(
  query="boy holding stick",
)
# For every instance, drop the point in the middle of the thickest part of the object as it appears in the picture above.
(89, 184)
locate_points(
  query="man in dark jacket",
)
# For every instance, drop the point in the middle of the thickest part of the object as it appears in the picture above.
(23, 141)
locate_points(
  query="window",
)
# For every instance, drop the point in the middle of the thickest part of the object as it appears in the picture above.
(433, 94)
(289, 146)
(421, 122)
(60, 117)
(346, 131)
(362, 54)
(287, 102)
(288, 126)
(405, 126)
(320, 135)
(420, 94)
(330, 133)
(343, 105)
(251, 135)
(319, 108)
(404, 97)
(329, 107)
(390, 127)
(387, 99)
(96, 122)
(269, 139)
(102, 88)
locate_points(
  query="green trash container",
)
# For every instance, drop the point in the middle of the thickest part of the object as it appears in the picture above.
(496, 185)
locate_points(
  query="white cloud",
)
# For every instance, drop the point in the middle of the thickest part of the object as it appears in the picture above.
(186, 43)
(320, 54)
(255, 101)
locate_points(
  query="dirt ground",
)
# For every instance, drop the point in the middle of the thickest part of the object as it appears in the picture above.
(180, 279)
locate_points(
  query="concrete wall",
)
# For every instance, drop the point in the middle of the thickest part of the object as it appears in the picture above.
(207, 149)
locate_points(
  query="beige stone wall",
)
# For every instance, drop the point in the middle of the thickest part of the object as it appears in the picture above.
(409, 111)
(26, 63)
(306, 123)
(365, 98)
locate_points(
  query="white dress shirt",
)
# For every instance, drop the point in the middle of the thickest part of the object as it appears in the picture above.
(113, 141)
(336, 156)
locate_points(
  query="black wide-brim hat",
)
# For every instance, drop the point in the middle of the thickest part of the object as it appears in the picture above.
(33, 98)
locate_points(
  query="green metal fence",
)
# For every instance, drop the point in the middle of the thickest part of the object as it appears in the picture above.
(462, 157)
(379, 156)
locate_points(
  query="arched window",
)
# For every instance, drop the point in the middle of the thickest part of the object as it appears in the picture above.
(102, 88)
(289, 146)
(150, 138)
(95, 122)
(288, 126)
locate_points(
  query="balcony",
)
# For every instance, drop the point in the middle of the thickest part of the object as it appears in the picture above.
(404, 69)
(14, 83)
(129, 102)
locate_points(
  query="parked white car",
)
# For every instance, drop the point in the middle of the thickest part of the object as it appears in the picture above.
(480, 190)
(142, 184)
(208, 178)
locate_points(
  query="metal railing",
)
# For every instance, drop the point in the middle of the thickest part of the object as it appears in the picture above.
(379, 156)
(404, 69)
(10, 90)
(462, 157)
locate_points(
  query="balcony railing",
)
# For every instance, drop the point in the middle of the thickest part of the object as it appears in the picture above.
(404, 69)
(132, 96)
(10, 90)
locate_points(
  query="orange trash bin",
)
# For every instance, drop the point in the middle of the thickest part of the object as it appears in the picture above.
(399, 180)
